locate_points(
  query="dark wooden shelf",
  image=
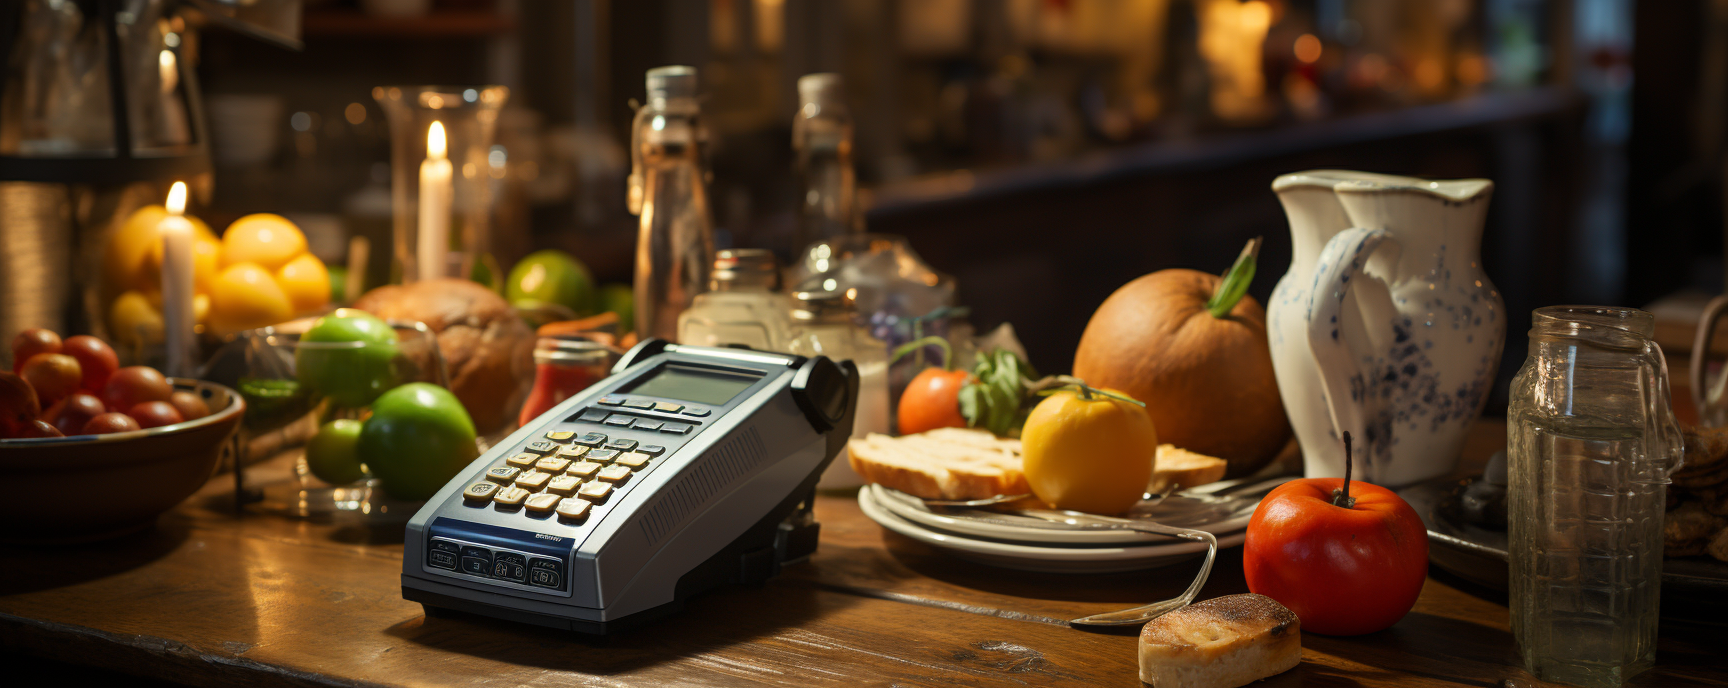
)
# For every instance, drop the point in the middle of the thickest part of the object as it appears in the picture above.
(438, 24)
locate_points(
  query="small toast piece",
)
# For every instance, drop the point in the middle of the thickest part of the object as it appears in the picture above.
(1223, 642)
(1184, 469)
(947, 463)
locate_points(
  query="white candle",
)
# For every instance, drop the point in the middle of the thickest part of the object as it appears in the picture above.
(177, 289)
(435, 194)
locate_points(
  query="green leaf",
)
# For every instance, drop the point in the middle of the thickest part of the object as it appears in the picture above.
(969, 405)
(1235, 282)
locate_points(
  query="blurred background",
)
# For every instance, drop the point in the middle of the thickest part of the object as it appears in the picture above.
(1043, 152)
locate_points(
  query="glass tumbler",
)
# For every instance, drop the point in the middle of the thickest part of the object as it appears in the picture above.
(442, 205)
(1591, 442)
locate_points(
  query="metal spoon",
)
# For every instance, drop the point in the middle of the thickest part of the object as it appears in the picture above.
(1074, 520)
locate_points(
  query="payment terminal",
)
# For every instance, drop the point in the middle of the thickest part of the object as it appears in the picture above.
(688, 468)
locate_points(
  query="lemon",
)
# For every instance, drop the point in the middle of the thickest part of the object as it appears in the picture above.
(306, 282)
(132, 253)
(262, 238)
(246, 296)
(1088, 452)
(133, 321)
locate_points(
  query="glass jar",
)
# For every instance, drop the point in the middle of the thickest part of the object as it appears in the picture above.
(441, 201)
(1591, 440)
(824, 325)
(743, 305)
(563, 367)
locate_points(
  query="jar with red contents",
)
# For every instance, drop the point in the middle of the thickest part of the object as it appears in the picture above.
(563, 367)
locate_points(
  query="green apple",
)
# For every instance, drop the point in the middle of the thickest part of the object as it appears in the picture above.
(333, 454)
(418, 438)
(348, 356)
(552, 276)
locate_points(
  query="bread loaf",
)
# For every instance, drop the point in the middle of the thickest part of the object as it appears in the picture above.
(1184, 469)
(948, 463)
(1223, 642)
(487, 349)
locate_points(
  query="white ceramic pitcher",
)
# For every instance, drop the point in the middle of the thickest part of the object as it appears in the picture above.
(1385, 325)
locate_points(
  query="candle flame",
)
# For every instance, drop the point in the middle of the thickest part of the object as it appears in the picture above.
(177, 199)
(435, 141)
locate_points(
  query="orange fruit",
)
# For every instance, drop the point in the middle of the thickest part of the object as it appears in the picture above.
(245, 296)
(306, 282)
(133, 252)
(266, 239)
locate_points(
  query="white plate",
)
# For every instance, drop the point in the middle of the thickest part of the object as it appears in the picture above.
(1044, 558)
(1178, 511)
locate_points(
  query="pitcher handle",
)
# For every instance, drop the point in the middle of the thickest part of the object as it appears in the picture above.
(1697, 374)
(1661, 421)
(1341, 376)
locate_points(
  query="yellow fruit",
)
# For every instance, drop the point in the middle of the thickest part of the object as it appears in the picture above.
(128, 261)
(246, 296)
(306, 282)
(201, 308)
(133, 321)
(268, 240)
(1088, 452)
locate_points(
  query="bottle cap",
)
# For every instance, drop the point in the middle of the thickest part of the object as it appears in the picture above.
(822, 306)
(673, 81)
(822, 88)
(736, 268)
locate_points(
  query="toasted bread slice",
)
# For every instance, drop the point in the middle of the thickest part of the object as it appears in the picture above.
(1223, 642)
(949, 463)
(1184, 469)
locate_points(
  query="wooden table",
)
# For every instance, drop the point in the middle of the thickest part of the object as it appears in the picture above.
(211, 598)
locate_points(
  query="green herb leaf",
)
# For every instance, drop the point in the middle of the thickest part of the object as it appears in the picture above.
(1235, 282)
(970, 405)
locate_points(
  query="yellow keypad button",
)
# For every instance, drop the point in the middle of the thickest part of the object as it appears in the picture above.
(594, 492)
(552, 464)
(532, 481)
(523, 460)
(511, 496)
(584, 469)
(560, 435)
(563, 485)
(542, 503)
(502, 474)
(614, 474)
(480, 492)
(574, 509)
(632, 459)
(572, 453)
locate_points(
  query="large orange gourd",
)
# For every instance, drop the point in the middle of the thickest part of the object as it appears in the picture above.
(1207, 381)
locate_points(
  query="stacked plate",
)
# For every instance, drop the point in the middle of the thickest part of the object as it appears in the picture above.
(1064, 551)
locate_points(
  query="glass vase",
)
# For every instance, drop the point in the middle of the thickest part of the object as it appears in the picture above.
(442, 205)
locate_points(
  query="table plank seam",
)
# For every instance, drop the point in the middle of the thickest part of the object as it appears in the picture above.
(940, 604)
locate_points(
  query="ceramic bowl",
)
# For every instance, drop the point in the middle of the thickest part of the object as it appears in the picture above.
(93, 487)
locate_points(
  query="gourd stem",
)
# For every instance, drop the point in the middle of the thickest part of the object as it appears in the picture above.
(920, 343)
(1234, 284)
(1055, 383)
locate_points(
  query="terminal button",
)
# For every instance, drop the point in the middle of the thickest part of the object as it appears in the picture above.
(541, 447)
(592, 439)
(510, 566)
(560, 435)
(584, 469)
(602, 455)
(643, 404)
(668, 407)
(611, 401)
(633, 459)
(651, 449)
(442, 554)
(620, 420)
(696, 412)
(502, 474)
(546, 573)
(563, 485)
(647, 424)
(572, 453)
(480, 492)
(621, 444)
(542, 503)
(522, 460)
(676, 428)
(476, 561)
(574, 509)
(592, 415)
(615, 473)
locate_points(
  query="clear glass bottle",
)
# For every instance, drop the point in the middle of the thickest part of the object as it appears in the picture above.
(1591, 440)
(675, 246)
(822, 140)
(744, 304)
(825, 324)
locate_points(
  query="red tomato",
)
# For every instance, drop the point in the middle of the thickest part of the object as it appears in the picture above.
(53, 376)
(135, 385)
(31, 342)
(19, 405)
(70, 414)
(38, 428)
(932, 400)
(95, 357)
(155, 414)
(189, 404)
(1342, 571)
(109, 422)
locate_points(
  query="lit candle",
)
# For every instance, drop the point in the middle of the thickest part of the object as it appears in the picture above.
(435, 193)
(177, 290)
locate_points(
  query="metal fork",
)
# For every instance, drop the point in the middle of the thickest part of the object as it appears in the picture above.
(1074, 520)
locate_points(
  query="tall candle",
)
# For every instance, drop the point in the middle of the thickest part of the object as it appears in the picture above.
(435, 194)
(177, 289)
